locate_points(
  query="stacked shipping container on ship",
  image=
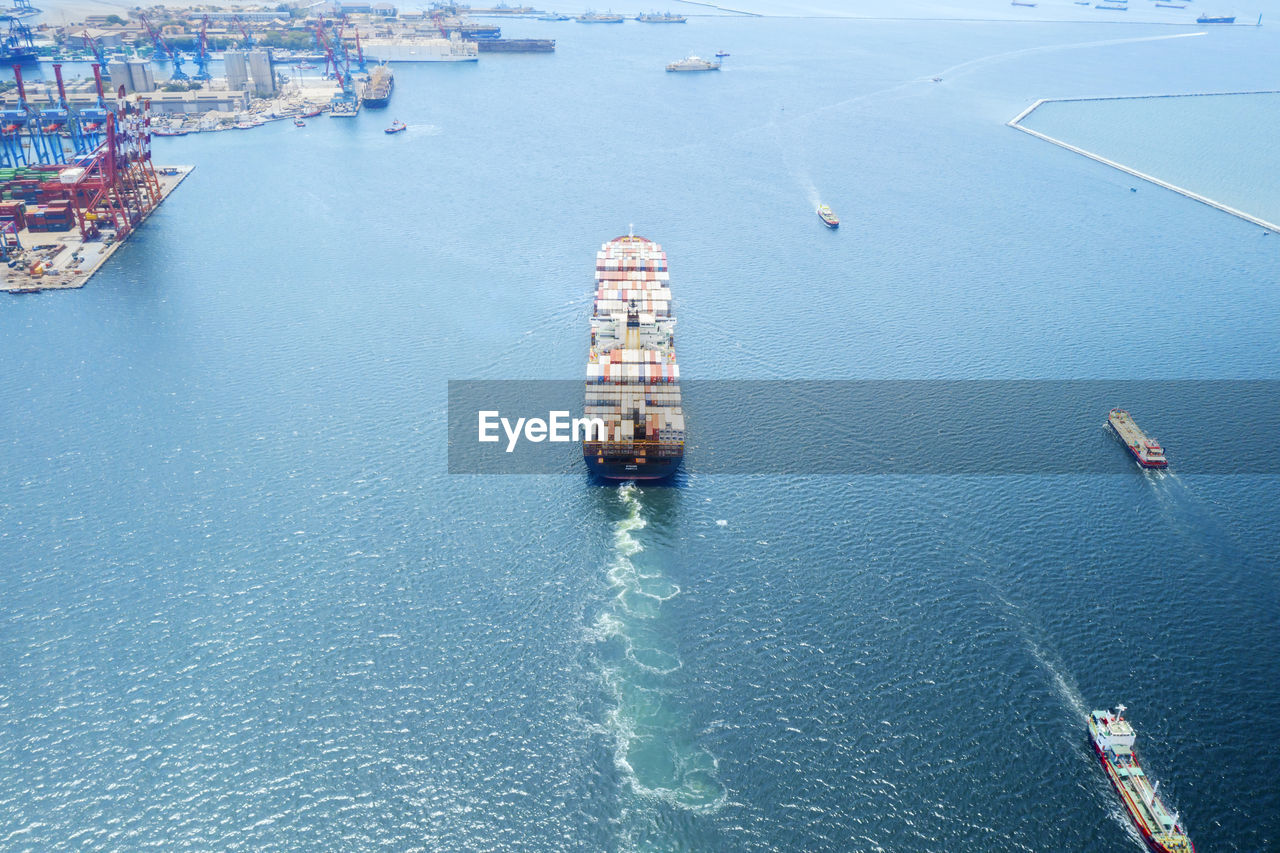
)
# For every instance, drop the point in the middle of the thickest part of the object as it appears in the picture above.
(633, 381)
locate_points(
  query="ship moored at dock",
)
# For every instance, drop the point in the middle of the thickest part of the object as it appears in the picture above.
(451, 49)
(1145, 449)
(590, 17)
(377, 92)
(517, 45)
(1113, 737)
(633, 380)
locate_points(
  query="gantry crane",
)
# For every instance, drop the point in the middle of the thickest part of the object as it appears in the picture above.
(163, 51)
(244, 30)
(202, 53)
(336, 54)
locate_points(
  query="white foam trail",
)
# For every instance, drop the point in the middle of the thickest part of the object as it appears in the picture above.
(1050, 48)
(1065, 687)
(653, 750)
(963, 67)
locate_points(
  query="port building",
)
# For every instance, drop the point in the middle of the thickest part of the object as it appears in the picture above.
(134, 74)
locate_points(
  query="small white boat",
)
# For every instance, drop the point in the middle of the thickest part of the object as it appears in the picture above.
(694, 63)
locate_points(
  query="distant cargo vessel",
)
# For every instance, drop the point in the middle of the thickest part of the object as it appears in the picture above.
(452, 49)
(1113, 738)
(517, 45)
(599, 18)
(661, 18)
(828, 216)
(1206, 19)
(377, 92)
(693, 63)
(633, 381)
(1146, 450)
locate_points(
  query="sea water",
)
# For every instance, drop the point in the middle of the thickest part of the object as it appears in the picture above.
(246, 608)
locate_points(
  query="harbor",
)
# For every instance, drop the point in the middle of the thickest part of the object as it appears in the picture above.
(249, 605)
(65, 260)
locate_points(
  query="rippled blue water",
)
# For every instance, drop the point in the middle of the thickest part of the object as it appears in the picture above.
(245, 608)
(1208, 145)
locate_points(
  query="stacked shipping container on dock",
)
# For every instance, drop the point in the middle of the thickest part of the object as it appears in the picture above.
(36, 198)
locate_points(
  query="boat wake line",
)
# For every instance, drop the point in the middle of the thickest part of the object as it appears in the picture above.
(1051, 48)
(801, 175)
(654, 749)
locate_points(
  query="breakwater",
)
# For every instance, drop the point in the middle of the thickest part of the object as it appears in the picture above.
(1016, 123)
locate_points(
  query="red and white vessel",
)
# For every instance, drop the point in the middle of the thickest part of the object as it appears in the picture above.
(1113, 738)
(1145, 449)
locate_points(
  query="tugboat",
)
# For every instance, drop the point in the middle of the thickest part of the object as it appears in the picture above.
(396, 126)
(1145, 449)
(1112, 738)
(828, 216)
(297, 122)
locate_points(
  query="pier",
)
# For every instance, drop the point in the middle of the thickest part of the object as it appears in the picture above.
(1016, 123)
(67, 261)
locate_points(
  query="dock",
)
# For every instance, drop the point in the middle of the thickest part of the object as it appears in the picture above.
(68, 261)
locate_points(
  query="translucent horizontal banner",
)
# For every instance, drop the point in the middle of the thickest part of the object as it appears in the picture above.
(886, 426)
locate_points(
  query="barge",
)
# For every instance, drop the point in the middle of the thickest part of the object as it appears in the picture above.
(1145, 449)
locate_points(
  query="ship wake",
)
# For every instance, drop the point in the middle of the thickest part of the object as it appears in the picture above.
(654, 749)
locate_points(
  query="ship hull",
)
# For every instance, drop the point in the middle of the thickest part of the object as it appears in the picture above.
(1125, 798)
(1133, 451)
(629, 469)
(20, 56)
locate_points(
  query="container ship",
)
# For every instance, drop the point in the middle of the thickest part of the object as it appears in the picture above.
(377, 92)
(1113, 739)
(1145, 449)
(633, 381)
